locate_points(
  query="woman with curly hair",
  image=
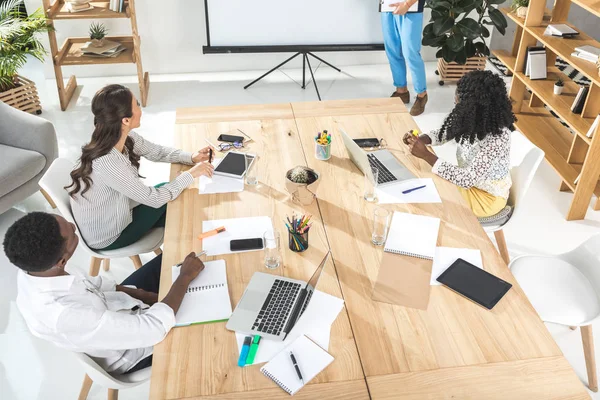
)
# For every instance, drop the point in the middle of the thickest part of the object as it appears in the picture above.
(481, 124)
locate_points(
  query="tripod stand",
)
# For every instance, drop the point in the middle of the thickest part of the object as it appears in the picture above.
(305, 61)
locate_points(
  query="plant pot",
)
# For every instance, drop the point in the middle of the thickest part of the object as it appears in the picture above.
(453, 72)
(558, 89)
(23, 96)
(97, 42)
(303, 193)
(522, 12)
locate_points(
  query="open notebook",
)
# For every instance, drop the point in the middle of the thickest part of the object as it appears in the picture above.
(413, 235)
(207, 298)
(311, 360)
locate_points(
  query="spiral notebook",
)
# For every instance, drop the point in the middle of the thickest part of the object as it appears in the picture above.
(207, 298)
(413, 235)
(311, 360)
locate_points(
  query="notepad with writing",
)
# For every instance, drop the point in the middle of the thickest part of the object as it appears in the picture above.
(413, 235)
(207, 298)
(311, 360)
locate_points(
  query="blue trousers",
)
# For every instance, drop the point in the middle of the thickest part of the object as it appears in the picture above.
(402, 39)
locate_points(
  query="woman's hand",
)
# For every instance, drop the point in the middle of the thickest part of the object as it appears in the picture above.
(202, 169)
(202, 155)
(424, 138)
(401, 8)
(418, 148)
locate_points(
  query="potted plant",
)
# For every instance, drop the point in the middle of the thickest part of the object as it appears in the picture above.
(459, 29)
(97, 34)
(558, 86)
(302, 182)
(18, 40)
(520, 7)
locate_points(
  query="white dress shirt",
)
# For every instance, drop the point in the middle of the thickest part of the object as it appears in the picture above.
(85, 314)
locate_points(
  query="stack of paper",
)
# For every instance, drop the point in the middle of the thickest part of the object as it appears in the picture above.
(108, 49)
(235, 228)
(393, 193)
(560, 30)
(219, 183)
(587, 53)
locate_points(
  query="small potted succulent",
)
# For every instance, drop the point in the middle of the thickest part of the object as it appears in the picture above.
(302, 182)
(558, 86)
(97, 34)
(520, 7)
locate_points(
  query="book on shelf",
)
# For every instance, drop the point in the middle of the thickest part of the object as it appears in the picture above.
(585, 57)
(589, 50)
(535, 63)
(577, 106)
(78, 7)
(560, 30)
(592, 129)
(108, 49)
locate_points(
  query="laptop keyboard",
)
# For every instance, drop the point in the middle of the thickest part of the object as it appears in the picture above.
(385, 175)
(277, 307)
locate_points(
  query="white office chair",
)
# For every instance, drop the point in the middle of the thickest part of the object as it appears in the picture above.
(522, 176)
(565, 289)
(54, 182)
(94, 373)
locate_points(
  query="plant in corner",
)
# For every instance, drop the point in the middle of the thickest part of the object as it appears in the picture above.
(97, 33)
(558, 86)
(458, 28)
(18, 41)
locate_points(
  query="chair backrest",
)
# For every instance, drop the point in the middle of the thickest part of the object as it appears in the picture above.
(522, 176)
(586, 258)
(54, 182)
(103, 378)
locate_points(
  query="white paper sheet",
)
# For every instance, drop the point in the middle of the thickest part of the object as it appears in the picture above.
(392, 194)
(235, 228)
(315, 323)
(219, 183)
(445, 257)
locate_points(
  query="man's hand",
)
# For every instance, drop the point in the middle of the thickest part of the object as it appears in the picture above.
(401, 8)
(148, 298)
(190, 269)
(192, 266)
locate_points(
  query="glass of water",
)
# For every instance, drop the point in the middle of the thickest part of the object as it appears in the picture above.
(251, 178)
(381, 222)
(272, 249)
(371, 178)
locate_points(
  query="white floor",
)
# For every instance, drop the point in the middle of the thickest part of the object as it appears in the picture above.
(33, 369)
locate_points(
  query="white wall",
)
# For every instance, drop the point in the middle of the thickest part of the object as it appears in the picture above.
(173, 33)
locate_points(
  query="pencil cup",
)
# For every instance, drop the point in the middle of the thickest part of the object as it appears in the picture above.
(322, 151)
(298, 242)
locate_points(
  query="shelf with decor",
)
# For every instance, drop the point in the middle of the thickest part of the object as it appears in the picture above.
(570, 152)
(69, 54)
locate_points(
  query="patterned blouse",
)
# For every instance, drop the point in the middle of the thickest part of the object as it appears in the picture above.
(484, 164)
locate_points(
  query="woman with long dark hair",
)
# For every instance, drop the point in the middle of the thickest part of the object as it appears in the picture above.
(113, 208)
(481, 124)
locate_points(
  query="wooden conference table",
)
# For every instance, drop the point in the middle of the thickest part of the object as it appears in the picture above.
(454, 349)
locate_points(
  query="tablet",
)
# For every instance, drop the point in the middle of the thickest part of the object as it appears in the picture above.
(234, 164)
(475, 284)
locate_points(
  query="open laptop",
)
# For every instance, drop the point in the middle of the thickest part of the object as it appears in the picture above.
(390, 169)
(272, 304)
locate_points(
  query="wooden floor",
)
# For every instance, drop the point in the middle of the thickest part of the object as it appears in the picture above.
(454, 349)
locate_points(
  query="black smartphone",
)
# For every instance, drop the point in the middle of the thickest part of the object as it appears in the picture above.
(475, 284)
(246, 244)
(366, 143)
(230, 138)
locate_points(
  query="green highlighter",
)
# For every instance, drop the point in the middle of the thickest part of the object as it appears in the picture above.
(253, 350)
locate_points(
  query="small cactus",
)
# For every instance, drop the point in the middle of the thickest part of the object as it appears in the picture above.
(301, 175)
(559, 82)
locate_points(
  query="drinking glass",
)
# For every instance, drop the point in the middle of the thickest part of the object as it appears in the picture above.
(251, 178)
(381, 221)
(272, 249)
(371, 178)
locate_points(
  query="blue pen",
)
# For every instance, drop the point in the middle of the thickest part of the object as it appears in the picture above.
(245, 350)
(413, 189)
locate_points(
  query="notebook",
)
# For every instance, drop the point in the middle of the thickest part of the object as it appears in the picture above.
(413, 235)
(207, 298)
(311, 360)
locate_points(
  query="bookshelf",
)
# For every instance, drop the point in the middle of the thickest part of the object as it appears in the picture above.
(568, 149)
(69, 53)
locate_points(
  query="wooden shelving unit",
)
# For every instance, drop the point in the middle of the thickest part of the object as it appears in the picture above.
(568, 149)
(69, 54)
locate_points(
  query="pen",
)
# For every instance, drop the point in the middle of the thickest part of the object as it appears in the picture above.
(296, 367)
(198, 255)
(210, 155)
(242, 132)
(413, 189)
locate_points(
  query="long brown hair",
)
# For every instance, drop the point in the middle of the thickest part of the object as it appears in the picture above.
(110, 105)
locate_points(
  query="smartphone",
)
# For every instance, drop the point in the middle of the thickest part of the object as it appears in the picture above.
(366, 143)
(246, 244)
(230, 138)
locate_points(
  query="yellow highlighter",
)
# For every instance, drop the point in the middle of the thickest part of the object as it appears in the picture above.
(415, 132)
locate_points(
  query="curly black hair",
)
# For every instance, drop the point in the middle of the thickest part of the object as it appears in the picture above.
(483, 108)
(34, 242)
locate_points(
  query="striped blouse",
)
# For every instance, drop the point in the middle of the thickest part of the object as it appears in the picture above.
(106, 208)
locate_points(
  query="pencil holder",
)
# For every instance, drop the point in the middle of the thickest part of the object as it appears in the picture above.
(322, 151)
(298, 242)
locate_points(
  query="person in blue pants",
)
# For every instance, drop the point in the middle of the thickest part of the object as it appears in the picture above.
(402, 33)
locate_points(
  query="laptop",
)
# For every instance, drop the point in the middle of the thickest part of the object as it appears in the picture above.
(390, 169)
(272, 304)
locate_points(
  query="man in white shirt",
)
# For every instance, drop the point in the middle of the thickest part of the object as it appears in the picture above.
(114, 324)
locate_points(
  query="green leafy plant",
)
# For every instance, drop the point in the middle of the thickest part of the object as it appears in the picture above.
(559, 82)
(458, 28)
(98, 31)
(519, 3)
(18, 39)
